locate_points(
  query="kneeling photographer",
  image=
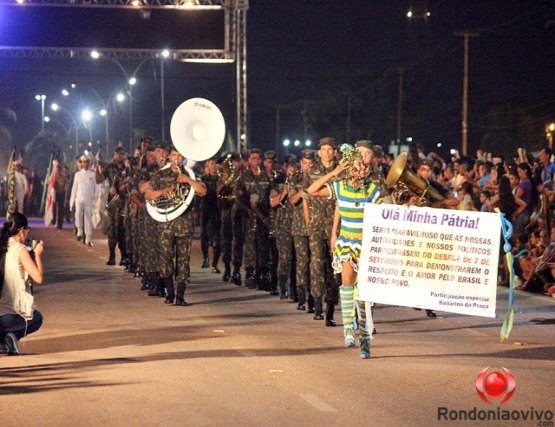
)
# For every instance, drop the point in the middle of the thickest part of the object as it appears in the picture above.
(18, 316)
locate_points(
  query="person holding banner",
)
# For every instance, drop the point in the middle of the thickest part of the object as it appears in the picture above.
(352, 191)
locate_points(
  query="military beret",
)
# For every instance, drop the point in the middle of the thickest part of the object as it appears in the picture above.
(119, 150)
(147, 139)
(326, 141)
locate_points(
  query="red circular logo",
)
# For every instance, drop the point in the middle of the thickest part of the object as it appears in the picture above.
(497, 384)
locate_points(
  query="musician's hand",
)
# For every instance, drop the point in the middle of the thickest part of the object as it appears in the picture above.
(166, 190)
(113, 190)
(184, 178)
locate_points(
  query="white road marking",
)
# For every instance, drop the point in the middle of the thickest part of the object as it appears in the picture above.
(472, 331)
(244, 353)
(318, 403)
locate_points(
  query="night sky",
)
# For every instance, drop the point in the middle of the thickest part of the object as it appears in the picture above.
(317, 55)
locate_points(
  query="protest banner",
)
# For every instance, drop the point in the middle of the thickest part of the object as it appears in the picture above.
(430, 258)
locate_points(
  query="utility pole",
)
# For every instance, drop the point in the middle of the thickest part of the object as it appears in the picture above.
(466, 35)
(399, 110)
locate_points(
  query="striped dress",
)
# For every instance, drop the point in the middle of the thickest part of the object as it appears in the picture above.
(350, 202)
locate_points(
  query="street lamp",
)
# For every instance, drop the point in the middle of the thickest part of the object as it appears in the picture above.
(164, 55)
(131, 81)
(58, 108)
(41, 98)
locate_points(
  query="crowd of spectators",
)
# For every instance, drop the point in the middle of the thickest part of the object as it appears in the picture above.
(522, 188)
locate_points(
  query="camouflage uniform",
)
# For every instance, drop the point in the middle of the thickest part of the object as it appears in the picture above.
(245, 188)
(210, 221)
(281, 227)
(266, 251)
(149, 230)
(130, 216)
(299, 231)
(175, 242)
(323, 283)
(116, 231)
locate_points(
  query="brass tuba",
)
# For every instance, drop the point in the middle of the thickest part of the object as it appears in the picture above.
(404, 183)
(197, 130)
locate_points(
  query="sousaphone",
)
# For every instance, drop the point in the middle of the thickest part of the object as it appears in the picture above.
(197, 131)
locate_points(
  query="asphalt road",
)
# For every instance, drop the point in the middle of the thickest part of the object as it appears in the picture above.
(109, 355)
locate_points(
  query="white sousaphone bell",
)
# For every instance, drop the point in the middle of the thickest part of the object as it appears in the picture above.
(197, 131)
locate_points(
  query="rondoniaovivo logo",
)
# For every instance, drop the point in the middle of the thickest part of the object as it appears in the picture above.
(496, 384)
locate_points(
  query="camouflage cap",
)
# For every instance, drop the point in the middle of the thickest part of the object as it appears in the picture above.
(364, 143)
(328, 140)
(288, 157)
(163, 145)
(308, 155)
(245, 154)
(270, 155)
(377, 150)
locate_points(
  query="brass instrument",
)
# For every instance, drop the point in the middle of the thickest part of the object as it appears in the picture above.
(226, 186)
(404, 183)
(197, 130)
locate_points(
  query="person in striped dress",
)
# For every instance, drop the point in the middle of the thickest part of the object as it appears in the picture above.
(350, 185)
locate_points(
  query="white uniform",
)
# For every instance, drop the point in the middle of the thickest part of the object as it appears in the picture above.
(83, 196)
(21, 188)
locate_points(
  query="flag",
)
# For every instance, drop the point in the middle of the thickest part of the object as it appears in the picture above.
(11, 184)
(50, 195)
(45, 182)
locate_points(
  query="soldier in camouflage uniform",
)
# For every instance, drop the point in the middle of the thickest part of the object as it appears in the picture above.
(152, 229)
(210, 222)
(228, 174)
(144, 232)
(245, 187)
(176, 235)
(281, 227)
(323, 283)
(239, 216)
(116, 173)
(299, 229)
(266, 251)
(130, 212)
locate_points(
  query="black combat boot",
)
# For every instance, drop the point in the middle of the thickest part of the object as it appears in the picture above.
(168, 284)
(145, 284)
(301, 292)
(282, 283)
(249, 278)
(236, 277)
(124, 260)
(329, 315)
(154, 289)
(310, 303)
(227, 272)
(111, 258)
(205, 263)
(293, 297)
(180, 298)
(270, 283)
(318, 309)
